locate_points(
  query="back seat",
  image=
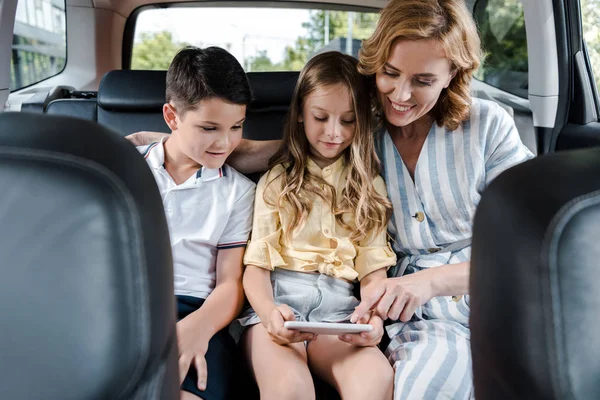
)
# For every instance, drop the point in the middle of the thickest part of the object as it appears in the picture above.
(131, 101)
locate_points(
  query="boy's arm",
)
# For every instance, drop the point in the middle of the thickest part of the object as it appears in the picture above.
(226, 300)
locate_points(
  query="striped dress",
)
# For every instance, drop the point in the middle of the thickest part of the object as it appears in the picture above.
(431, 226)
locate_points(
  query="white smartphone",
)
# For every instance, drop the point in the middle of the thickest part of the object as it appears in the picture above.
(327, 328)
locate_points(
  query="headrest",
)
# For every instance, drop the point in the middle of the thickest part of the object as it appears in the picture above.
(86, 281)
(144, 91)
(132, 90)
(535, 276)
(272, 89)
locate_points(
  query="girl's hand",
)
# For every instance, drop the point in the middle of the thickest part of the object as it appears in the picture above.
(145, 137)
(366, 339)
(191, 350)
(281, 335)
(396, 298)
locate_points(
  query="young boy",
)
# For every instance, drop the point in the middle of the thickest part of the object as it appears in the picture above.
(209, 210)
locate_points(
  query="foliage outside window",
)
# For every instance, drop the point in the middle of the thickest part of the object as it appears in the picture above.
(302, 34)
(501, 25)
(39, 48)
(590, 15)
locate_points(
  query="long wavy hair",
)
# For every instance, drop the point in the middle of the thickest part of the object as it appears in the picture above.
(447, 21)
(358, 208)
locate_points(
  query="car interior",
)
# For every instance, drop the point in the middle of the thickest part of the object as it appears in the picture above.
(76, 77)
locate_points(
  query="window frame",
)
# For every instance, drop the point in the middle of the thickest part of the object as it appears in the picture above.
(475, 5)
(13, 90)
(130, 24)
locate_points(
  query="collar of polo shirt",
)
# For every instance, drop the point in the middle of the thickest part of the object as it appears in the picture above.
(155, 156)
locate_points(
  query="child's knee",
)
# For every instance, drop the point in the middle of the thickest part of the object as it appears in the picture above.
(291, 386)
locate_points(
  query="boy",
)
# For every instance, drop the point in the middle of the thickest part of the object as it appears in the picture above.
(208, 207)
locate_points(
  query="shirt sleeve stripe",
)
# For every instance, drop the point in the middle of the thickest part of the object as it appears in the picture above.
(231, 245)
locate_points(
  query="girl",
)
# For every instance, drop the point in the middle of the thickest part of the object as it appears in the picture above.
(319, 226)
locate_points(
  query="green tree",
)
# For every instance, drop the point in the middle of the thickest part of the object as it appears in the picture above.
(155, 51)
(501, 26)
(262, 63)
(590, 14)
(363, 25)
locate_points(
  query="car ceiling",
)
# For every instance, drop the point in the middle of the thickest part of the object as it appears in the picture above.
(125, 7)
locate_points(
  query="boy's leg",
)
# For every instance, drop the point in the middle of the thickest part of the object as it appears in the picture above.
(281, 372)
(356, 372)
(220, 360)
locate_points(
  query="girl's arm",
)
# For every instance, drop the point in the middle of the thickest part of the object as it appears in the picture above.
(258, 288)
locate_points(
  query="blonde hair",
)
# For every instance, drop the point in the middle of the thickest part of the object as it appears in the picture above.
(447, 21)
(369, 211)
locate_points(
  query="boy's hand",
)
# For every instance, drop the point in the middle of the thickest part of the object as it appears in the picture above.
(191, 350)
(281, 335)
(145, 137)
(366, 339)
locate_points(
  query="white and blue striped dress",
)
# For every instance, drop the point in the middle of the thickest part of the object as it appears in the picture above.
(431, 226)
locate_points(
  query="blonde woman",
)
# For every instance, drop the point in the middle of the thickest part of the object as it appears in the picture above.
(439, 149)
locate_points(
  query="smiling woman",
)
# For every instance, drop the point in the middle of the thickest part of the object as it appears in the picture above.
(439, 149)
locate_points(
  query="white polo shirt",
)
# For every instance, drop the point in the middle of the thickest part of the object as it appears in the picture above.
(210, 211)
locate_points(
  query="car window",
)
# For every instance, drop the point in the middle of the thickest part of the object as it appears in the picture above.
(501, 25)
(39, 48)
(285, 43)
(590, 15)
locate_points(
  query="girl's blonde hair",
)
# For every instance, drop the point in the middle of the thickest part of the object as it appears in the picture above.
(447, 21)
(359, 201)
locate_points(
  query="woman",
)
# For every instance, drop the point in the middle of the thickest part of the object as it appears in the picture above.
(439, 149)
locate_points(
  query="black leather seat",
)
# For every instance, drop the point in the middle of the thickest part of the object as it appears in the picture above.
(535, 281)
(86, 281)
(77, 108)
(131, 101)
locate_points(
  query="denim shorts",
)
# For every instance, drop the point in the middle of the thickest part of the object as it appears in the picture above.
(312, 297)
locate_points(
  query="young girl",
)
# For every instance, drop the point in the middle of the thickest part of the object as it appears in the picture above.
(319, 226)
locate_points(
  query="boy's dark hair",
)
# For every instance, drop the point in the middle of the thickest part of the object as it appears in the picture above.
(196, 74)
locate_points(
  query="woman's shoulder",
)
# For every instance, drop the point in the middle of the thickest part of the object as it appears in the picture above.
(485, 111)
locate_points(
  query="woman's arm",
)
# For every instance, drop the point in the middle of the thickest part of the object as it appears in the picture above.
(249, 156)
(398, 298)
(253, 155)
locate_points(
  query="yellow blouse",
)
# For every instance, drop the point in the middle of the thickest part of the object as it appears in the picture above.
(322, 244)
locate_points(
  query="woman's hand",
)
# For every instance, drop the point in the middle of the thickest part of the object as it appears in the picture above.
(366, 339)
(396, 298)
(145, 137)
(192, 349)
(281, 335)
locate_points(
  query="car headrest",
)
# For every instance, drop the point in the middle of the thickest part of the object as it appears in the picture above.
(132, 91)
(272, 89)
(86, 282)
(535, 279)
(144, 91)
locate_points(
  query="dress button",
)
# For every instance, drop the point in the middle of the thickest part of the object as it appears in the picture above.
(326, 230)
(420, 216)
(433, 250)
